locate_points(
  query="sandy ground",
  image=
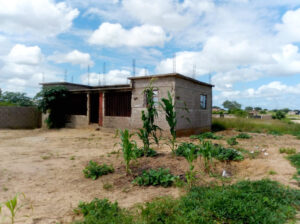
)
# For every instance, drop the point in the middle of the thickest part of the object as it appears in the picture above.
(47, 167)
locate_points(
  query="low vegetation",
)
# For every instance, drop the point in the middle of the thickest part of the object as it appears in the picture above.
(93, 170)
(263, 201)
(295, 161)
(243, 136)
(159, 177)
(206, 135)
(232, 141)
(255, 125)
(288, 151)
(128, 148)
(149, 153)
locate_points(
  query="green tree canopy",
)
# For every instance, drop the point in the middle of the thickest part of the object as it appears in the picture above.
(16, 98)
(231, 105)
(248, 108)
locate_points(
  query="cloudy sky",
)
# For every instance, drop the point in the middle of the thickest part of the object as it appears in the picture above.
(249, 47)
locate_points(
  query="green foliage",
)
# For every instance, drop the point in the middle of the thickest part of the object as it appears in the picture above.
(159, 177)
(93, 170)
(53, 100)
(183, 147)
(128, 148)
(243, 136)
(248, 108)
(231, 105)
(227, 154)
(232, 141)
(288, 151)
(169, 108)
(238, 112)
(103, 212)
(207, 151)
(140, 153)
(149, 128)
(12, 206)
(190, 154)
(250, 202)
(15, 98)
(279, 115)
(259, 126)
(274, 132)
(206, 135)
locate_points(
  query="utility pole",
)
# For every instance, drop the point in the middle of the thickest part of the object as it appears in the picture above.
(88, 75)
(66, 75)
(174, 63)
(133, 67)
(104, 72)
(194, 71)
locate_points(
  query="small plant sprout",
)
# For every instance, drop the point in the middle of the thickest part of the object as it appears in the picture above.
(128, 148)
(232, 141)
(12, 206)
(169, 107)
(93, 170)
(149, 128)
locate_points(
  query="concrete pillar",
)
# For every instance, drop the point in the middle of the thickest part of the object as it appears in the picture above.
(88, 107)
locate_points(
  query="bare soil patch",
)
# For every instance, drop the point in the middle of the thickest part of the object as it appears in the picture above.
(47, 167)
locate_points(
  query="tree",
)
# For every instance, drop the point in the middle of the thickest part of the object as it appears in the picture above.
(257, 108)
(286, 110)
(53, 100)
(248, 108)
(231, 105)
(16, 98)
(279, 115)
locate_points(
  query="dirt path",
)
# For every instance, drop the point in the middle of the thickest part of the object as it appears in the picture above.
(47, 167)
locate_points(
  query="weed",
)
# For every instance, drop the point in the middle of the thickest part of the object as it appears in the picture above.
(140, 153)
(183, 147)
(128, 147)
(227, 155)
(251, 155)
(4, 188)
(103, 212)
(250, 202)
(295, 160)
(243, 136)
(275, 133)
(272, 172)
(190, 154)
(232, 141)
(207, 151)
(288, 151)
(169, 108)
(72, 158)
(159, 177)
(107, 186)
(93, 170)
(206, 135)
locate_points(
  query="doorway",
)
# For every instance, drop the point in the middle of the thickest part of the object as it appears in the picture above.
(94, 108)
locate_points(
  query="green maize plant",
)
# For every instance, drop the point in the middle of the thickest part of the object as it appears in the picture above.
(12, 206)
(169, 107)
(128, 148)
(149, 128)
(206, 151)
(190, 155)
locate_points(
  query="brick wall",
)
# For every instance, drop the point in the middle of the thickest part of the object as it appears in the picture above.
(19, 117)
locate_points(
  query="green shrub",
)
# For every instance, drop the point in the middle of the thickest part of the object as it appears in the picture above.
(279, 115)
(224, 154)
(243, 136)
(93, 170)
(206, 135)
(183, 148)
(159, 177)
(288, 151)
(232, 141)
(103, 212)
(140, 153)
(274, 132)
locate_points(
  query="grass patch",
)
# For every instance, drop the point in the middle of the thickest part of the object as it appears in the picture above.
(159, 177)
(288, 151)
(206, 135)
(93, 170)
(295, 161)
(108, 186)
(255, 125)
(232, 141)
(243, 136)
(140, 152)
(251, 202)
(272, 172)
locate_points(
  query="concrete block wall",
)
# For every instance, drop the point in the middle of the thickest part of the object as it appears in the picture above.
(20, 117)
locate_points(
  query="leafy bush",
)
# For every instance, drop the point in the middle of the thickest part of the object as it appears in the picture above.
(243, 136)
(140, 153)
(161, 177)
(93, 170)
(295, 161)
(288, 151)
(103, 212)
(184, 147)
(53, 100)
(279, 115)
(206, 135)
(232, 141)
(15, 98)
(224, 154)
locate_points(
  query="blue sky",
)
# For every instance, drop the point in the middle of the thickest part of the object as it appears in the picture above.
(250, 47)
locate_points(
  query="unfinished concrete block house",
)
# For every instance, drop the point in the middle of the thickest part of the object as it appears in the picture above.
(120, 106)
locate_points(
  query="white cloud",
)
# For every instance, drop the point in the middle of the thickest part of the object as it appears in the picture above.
(114, 35)
(113, 77)
(74, 57)
(35, 17)
(289, 29)
(21, 54)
